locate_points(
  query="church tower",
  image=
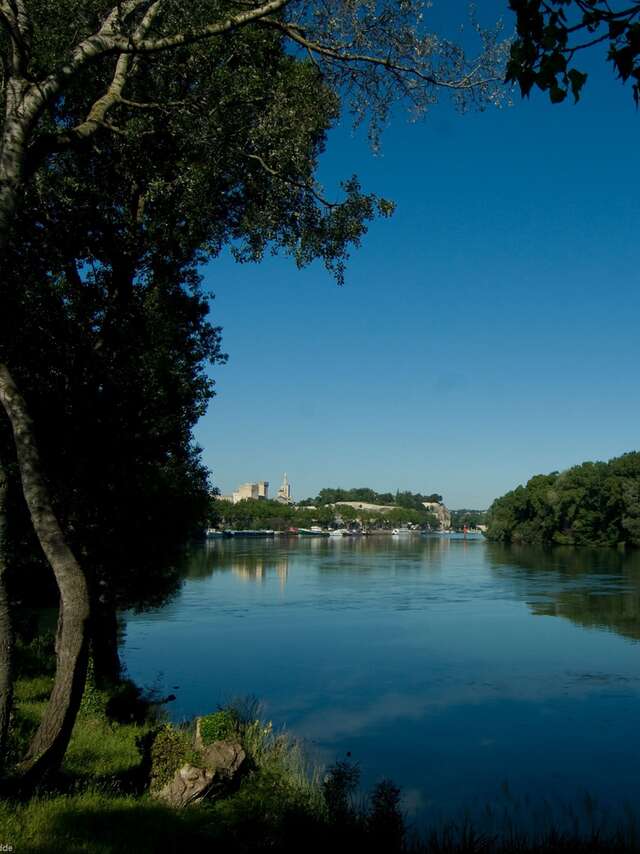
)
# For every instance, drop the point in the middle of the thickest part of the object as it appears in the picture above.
(284, 493)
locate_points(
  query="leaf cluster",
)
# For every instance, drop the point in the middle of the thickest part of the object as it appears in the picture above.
(550, 33)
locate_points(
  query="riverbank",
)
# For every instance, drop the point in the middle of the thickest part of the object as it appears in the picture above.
(101, 801)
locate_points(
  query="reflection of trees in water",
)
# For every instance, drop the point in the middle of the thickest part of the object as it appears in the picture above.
(228, 556)
(257, 560)
(596, 588)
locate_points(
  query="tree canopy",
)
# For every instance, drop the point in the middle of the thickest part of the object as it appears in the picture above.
(469, 518)
(410, 500)
(593, 504)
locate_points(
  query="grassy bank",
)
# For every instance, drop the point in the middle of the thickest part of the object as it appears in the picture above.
(101, 803)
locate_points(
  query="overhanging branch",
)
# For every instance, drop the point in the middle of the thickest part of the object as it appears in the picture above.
(292, 182)
(296, 34)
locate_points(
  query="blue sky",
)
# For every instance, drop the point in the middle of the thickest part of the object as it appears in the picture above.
(487, 332)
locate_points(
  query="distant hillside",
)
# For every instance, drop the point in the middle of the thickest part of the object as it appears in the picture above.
(593, 504)
(409, 500)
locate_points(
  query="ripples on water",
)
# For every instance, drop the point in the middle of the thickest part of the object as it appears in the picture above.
(467, 672)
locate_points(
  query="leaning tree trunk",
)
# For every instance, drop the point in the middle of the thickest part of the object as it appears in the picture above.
(49, 744)
(6, 630)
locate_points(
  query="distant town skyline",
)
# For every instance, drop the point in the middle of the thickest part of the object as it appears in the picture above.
(257, 489)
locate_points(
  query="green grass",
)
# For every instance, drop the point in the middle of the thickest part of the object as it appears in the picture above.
(101, 751)
(99, 823)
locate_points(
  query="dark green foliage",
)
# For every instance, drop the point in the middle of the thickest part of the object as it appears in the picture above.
(551, 32)
(339, 787)
(385, 820)
(104, 321)
(248, 514)
(410, 500)
(593, 504)
(470, 518)
(370, 496)
(219, 726)
(268, 813)
(271, 515)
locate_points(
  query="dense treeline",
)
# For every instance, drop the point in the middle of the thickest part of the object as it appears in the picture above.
(593, 504)
(410, 500)
(470, 518)
(271, 515)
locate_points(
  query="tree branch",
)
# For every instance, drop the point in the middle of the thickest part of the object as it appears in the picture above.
(96, 117)
(296, 34)
(16, 22)
(107, 41)
(302, 185)
(133, 45)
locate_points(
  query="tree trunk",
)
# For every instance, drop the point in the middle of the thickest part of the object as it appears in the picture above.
(49, 744)
(18, 120)
(103, 630)
(6, 630)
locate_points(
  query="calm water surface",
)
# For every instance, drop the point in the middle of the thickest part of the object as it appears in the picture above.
(462, 670)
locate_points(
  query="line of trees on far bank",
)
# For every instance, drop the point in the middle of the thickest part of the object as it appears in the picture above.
(408, 500)
(592, 504)
(467, 518)
(272, 515)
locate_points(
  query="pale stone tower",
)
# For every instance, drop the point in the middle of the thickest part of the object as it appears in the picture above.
(284, 493)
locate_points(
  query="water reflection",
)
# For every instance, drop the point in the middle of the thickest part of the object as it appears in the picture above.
(436, 661)
(595, 588)
(258, 559)
(225, 556)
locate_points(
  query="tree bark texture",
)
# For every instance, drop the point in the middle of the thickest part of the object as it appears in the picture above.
(48, 746)
(6, 629)
(21, 112)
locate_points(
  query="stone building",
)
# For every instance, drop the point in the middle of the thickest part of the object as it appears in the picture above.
(256, 491)
(441, 513)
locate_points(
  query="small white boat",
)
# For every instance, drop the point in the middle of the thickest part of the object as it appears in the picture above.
(340, 532)
(402, 532)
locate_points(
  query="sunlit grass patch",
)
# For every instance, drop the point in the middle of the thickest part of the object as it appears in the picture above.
(102, 749)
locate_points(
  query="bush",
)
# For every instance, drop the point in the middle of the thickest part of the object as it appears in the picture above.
(339, 787)
(219, 726)
(169, 749)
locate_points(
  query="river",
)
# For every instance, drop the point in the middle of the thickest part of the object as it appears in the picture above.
(469, 673)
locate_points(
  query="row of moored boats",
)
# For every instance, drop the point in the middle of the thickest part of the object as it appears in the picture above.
(216, 534)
